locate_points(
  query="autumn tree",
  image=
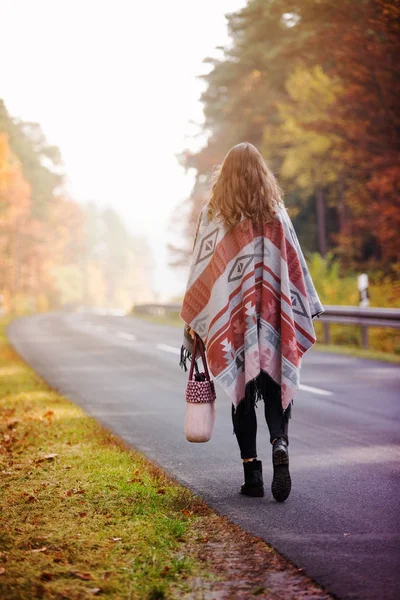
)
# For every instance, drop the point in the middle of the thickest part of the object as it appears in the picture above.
(314, 84)
(54, 251)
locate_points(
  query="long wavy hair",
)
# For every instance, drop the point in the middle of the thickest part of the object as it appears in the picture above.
(243, 186)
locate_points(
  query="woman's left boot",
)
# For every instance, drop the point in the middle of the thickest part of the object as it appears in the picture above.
(253, 479)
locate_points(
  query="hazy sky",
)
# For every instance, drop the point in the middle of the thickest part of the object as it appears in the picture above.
(113, 84)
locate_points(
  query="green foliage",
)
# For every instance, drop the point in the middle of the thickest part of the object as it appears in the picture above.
(332, 286)
(336, 288)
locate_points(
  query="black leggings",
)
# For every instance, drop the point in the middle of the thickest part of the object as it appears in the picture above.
(244, 417)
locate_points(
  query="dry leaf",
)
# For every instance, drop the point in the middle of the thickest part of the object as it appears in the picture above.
(107, 574)
(161, 491)
(82, 514)
(49, 413)
(58, 557)
(74, 491)
(43, 549)
(47, 457)
(187, 513)
(80, 575)
(94, 591)
(2, 570)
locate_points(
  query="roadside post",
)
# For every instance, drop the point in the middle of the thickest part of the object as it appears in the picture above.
(362, 284)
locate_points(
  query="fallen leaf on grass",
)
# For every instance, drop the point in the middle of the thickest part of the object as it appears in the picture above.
(58, 558)
(161, 491)
(43, 549)
(9, 412)
(94, 591)
(74, 491)
(2, 570)
(82, 514)
(187, 513)
(49, 413)
(47, 457)
(81, 575)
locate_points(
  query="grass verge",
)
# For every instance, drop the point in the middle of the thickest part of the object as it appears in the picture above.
(81, 513)
(84, 516)
(172, 319)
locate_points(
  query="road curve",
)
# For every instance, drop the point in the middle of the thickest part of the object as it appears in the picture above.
(341, 522)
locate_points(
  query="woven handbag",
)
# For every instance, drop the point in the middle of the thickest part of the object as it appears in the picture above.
(200, 399)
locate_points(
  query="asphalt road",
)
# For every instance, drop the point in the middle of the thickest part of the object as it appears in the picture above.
(341, 522)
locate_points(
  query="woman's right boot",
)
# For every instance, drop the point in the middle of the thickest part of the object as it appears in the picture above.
(281, 483)
(253, 479)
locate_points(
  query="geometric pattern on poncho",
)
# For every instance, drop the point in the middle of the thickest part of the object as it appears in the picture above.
(251, 299)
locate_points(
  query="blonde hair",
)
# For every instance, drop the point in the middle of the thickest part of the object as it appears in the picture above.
(243, 186)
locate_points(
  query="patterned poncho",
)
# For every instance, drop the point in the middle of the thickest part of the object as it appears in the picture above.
(251, 299)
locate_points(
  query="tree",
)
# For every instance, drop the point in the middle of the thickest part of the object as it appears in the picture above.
(315, 84)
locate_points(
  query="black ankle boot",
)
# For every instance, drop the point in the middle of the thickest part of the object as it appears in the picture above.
(253, 479)
(281, 483)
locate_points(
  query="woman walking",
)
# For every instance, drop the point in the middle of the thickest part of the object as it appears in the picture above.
(251, 300)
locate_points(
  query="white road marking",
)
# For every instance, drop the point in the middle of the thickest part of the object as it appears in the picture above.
(305, 388)
(167, 348)
(313, 390)
(126, 336)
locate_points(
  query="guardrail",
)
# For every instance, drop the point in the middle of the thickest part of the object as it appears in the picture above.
(343, 315)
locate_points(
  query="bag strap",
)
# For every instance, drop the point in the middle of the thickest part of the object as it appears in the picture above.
(193, 364)
(203, 358)
(193, 358)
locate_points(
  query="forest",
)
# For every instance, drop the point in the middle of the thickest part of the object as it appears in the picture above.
(314, 84)
(54, 251)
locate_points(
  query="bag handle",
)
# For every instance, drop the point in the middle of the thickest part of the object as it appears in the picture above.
(198, 340)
